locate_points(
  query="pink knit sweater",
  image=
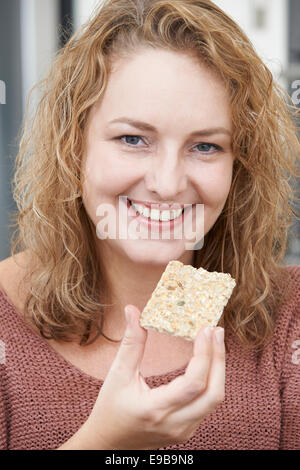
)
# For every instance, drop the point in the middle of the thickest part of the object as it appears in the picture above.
(44, 399)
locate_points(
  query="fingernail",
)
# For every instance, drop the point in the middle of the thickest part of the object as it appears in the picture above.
(127, 315)
(207, 332)
(219, 334)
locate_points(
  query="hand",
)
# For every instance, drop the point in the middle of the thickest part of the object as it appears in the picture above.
(128, 414)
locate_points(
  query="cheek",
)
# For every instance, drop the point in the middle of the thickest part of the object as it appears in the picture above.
(106, 173)
(214, 185)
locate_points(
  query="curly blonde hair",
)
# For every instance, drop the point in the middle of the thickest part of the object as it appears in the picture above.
(68, 287)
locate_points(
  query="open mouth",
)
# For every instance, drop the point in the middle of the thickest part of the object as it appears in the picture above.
(156, 215)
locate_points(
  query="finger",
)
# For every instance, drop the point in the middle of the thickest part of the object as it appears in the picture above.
(215, 390)
(131, 351)
(193, 382)
(217, 373)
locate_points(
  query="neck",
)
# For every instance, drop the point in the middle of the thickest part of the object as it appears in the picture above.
(129, 283)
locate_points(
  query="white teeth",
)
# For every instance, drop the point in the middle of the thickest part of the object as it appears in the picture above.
(170, 215)
(138, 207)
(165, 215)
(155, 214)
(145, 211)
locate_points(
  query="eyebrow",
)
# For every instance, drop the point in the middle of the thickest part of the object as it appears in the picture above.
(148, 127)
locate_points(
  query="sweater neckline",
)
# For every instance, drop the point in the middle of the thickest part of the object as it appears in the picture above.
(47, 347)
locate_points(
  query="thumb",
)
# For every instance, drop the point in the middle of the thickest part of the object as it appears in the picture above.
(131, 351)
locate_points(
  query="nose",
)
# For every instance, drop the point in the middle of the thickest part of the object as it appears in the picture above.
(166, 176)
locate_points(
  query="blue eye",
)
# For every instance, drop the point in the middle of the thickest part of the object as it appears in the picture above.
(133, 140)
(129, 139)
(207, 147)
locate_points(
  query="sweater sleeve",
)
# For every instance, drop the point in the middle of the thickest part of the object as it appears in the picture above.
(3, 423)
(290, 378)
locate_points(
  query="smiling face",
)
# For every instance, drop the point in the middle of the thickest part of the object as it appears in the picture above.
(161, 133)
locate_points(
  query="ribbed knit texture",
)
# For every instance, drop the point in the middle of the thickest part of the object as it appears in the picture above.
(44, 399)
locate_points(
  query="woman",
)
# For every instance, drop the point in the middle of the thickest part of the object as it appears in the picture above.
(166, 103)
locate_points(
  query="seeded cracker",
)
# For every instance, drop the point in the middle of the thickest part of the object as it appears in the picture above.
(185, 299)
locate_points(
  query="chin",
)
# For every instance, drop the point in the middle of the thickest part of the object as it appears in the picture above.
(155, 252)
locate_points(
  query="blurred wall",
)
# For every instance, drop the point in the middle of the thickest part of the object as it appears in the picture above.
(82, 10)
(266, 24)
(28, 41)
(264, 21)
(11, 111)
(39, 40)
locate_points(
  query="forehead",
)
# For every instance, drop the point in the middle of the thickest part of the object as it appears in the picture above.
(165, 86)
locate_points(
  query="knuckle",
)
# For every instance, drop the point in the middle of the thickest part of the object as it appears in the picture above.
(176, 434)
(217, 398)
(128, 340)
(195, 387)
(118, 370)
(206, 354)
(182, 434)
(155, 417)
(220, 355)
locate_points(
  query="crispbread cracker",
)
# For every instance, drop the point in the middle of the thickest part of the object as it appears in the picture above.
(185, 299)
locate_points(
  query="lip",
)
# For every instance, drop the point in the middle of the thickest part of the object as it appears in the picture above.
(158, 206)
